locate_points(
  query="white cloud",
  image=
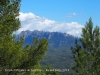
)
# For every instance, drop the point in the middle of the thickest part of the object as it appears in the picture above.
(29, 21)
(71, 15)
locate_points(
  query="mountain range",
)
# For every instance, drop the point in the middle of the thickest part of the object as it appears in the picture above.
(55, 39)
(59, 54)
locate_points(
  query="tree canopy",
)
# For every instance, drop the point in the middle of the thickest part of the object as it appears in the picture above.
(87, 53)
(16, 59)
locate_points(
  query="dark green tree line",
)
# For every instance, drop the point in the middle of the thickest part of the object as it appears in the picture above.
(87, 54)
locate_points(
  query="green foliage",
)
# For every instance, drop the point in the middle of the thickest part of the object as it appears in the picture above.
(9, 11)
(10, 52)
(49, 71)
(59, 58)
(86, 55)
(15, 58)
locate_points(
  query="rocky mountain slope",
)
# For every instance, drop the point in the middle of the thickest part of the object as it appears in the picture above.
(55, 39)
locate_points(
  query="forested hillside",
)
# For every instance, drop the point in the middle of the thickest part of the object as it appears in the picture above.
(59, 54)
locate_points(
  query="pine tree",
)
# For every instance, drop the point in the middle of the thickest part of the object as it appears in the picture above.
(87, 53)
(14, 57)
(10, 53)
(9, 11)
(49, 71)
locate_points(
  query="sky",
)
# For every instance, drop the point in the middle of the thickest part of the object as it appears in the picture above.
(67, 16)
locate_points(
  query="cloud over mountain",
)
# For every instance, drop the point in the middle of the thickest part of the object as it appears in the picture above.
(29, 21)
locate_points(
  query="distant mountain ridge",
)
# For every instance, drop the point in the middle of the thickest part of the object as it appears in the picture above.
(55, 39)
(59, 54)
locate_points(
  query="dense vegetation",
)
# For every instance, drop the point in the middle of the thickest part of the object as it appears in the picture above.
(59, 58)
(16, 59)
(87, 54)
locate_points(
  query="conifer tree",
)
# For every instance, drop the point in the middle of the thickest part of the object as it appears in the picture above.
(14, 57)
(87, 53)
(10, 52)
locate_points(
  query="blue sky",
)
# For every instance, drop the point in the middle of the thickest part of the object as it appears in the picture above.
(68, 12)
